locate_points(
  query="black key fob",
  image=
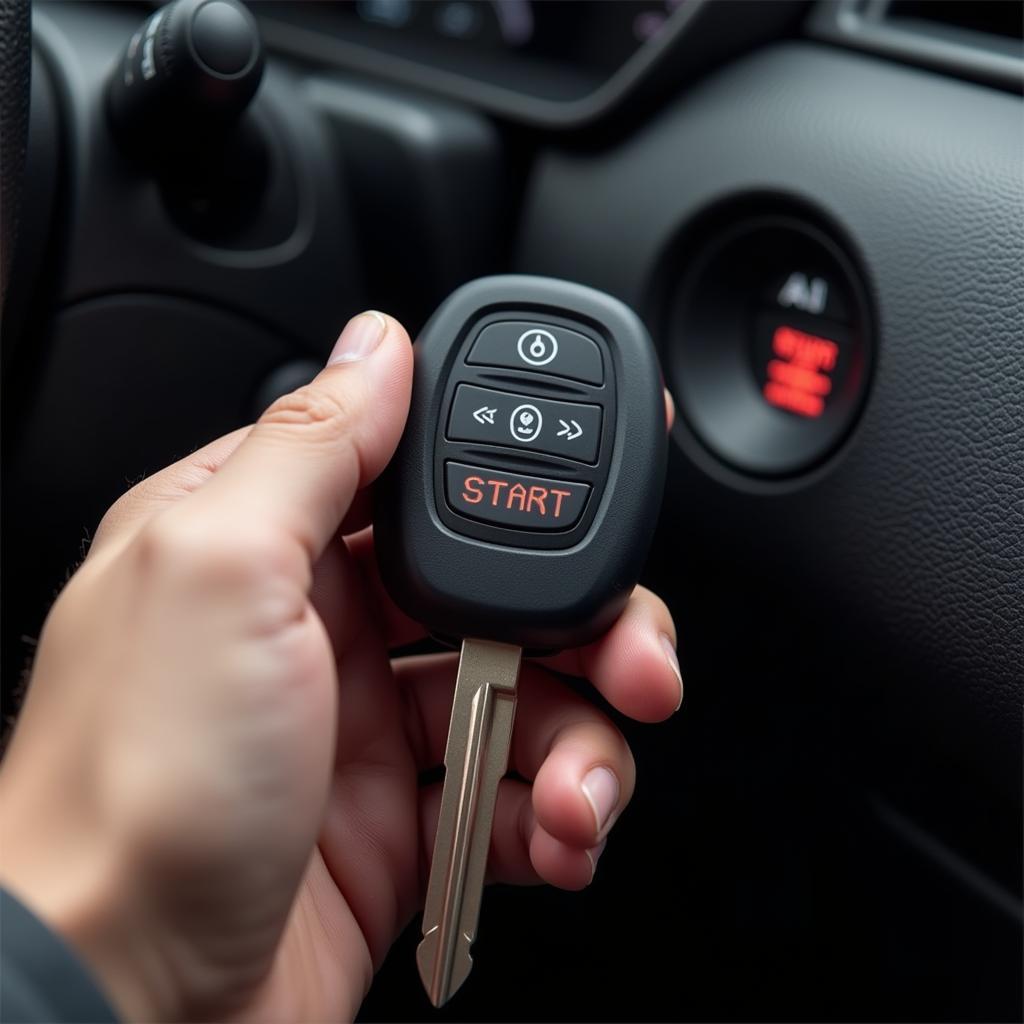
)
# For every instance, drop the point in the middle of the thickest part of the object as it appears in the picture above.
(523, 497)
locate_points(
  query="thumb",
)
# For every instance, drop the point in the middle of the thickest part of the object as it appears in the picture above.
(300, 466)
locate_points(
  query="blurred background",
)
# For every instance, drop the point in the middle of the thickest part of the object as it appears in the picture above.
(818, 210)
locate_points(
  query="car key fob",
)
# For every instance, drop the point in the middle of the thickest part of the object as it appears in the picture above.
(516, 513)
(522, 499)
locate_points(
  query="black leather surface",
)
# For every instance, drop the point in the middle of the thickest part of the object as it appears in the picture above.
(912, 538)
(15, 67)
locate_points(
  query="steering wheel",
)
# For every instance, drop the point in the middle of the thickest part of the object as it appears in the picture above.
(15, 82)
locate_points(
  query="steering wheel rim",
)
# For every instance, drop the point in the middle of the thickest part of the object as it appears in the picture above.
(15, 93)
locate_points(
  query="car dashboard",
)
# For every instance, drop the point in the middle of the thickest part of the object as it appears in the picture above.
(818, 211)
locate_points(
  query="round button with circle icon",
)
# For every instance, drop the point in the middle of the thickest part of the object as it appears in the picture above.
(537, 347)
(525, 423)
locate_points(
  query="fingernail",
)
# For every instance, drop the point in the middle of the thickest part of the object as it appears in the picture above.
(670, 410)
(601, 789)
(594, 855)
(673, 663)
(361, 336)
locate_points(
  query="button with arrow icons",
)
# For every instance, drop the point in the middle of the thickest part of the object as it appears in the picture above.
(569, 429)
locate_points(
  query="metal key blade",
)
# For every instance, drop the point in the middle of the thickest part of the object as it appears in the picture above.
(475, 760)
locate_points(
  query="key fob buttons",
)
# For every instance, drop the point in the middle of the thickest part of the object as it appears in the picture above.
(521, 501)
(538, 345)
(529, 403)
(512, 499)
(535, 424)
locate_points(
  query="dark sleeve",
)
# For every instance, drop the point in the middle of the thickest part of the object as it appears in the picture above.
(41, 978)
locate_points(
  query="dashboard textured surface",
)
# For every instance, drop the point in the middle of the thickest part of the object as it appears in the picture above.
(915, 530)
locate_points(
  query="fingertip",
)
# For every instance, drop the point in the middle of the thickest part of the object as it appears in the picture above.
(396, 336)
(562, 807)
(669, 650)
(359, 339)
(594, 855)
(583, 786)
(380, 347)
(561, 865)
(634, 664)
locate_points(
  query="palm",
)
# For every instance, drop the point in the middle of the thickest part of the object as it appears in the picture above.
(363, 882)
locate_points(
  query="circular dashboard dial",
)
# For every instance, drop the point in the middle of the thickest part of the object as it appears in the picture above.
(770, 344)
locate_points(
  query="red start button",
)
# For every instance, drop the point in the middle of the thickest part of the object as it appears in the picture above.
(510, 499)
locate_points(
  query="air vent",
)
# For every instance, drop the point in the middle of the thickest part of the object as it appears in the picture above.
(982, 40)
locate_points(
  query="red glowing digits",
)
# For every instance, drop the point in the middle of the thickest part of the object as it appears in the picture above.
(798, 379)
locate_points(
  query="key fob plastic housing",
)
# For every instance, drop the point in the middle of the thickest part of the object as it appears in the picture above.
(523, 497)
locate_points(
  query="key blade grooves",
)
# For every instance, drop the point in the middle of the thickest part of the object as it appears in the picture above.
(448, 931)
(476, 757)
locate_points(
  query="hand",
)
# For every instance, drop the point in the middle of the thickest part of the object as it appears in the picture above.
(212, 789)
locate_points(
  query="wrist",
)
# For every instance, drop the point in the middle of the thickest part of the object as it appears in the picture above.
(81, 893)
(118, 947)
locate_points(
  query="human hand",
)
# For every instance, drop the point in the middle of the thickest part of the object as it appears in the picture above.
(212, 790)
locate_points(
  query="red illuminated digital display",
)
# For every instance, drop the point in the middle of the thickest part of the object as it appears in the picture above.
(798, 373)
